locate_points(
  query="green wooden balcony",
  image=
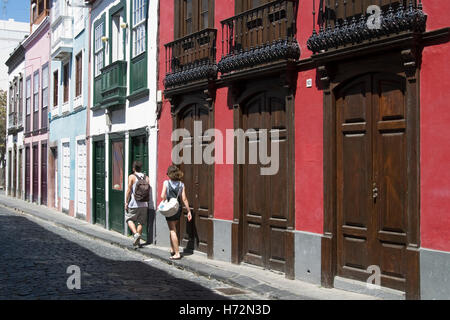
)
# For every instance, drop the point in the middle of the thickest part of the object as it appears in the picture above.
(112, 84)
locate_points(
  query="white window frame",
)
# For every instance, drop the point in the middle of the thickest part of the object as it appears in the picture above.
(98, 49)
(45, 86)
(139, 30)
(36, 86)
(28, 95)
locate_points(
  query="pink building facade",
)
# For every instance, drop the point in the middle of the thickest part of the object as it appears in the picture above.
(37, 89)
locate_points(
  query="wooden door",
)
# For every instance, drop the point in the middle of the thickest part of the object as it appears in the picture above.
(139, 152)
(81, 179)
(20, 175)
(44, 174)
(116, 186)
(35, 173)
(65, 177)
(9, 186)
(265, 197)
(99, 183)
(27, 172)
(14, 174)
(372, 179)
(198, 182)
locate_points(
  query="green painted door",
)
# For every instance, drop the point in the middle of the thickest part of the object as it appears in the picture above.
(99, 181)
(139, 152)
(116, 185)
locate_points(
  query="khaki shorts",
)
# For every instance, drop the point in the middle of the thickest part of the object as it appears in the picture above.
(137, 215)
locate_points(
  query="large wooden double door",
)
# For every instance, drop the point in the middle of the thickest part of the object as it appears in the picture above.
(265, 197)
(372, 179)
(198, 180)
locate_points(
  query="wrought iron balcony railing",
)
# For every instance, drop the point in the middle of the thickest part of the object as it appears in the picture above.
(191, 58)
(348, 22)
(260, 35)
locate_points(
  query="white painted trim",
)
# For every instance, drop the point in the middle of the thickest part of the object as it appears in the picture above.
(125, 175)
(107, 173)
(80, 137)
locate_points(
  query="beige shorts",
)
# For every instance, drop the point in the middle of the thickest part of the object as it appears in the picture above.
(137, 215)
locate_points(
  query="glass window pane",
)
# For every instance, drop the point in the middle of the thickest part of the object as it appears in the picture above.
(117, 165)
(36, 82)
(188, 9)
(205, 20)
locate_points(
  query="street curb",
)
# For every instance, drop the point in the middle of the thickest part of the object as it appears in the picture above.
(211, 272)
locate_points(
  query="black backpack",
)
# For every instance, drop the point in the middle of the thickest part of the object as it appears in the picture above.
(142, 190)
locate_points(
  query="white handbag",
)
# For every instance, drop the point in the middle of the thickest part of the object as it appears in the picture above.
(168, 208)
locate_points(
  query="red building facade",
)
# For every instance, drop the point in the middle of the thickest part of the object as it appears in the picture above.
(357, 116)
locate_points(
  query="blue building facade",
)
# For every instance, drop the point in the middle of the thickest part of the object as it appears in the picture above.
(68, 160)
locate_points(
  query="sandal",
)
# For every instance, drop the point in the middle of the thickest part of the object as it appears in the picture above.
(172, 258)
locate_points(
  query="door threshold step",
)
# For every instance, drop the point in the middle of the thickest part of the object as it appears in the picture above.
(363, 288)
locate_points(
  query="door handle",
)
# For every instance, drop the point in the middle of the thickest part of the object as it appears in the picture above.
(375, 191)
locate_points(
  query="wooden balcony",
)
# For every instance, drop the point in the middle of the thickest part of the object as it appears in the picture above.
(342, 23)
(113, 88)
(191, 58)
(261, 35)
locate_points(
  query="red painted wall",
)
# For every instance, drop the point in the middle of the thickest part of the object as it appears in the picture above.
(435, 134)
(308, 123)
(166, 11)
(308, 135)
(223, 186)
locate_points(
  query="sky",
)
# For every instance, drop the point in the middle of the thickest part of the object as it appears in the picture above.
(19, 10)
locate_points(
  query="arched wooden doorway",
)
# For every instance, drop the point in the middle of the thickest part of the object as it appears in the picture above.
(371, 172)
(198, 179)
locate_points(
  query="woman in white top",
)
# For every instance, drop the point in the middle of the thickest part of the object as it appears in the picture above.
(174, 188)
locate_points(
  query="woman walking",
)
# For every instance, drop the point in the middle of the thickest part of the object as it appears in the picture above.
(174, 188)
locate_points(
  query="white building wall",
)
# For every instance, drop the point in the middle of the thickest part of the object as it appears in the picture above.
(11, 34)
(137, 114)
(11, 140)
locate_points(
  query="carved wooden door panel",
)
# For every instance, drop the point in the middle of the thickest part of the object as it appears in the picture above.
(99, 174)
(265, 204)
(372, 179)
(35, 173)
(44, 174)
(27, 173)
(197, 180)
(391, 179)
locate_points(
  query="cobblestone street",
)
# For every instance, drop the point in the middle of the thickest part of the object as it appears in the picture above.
(35, 255)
